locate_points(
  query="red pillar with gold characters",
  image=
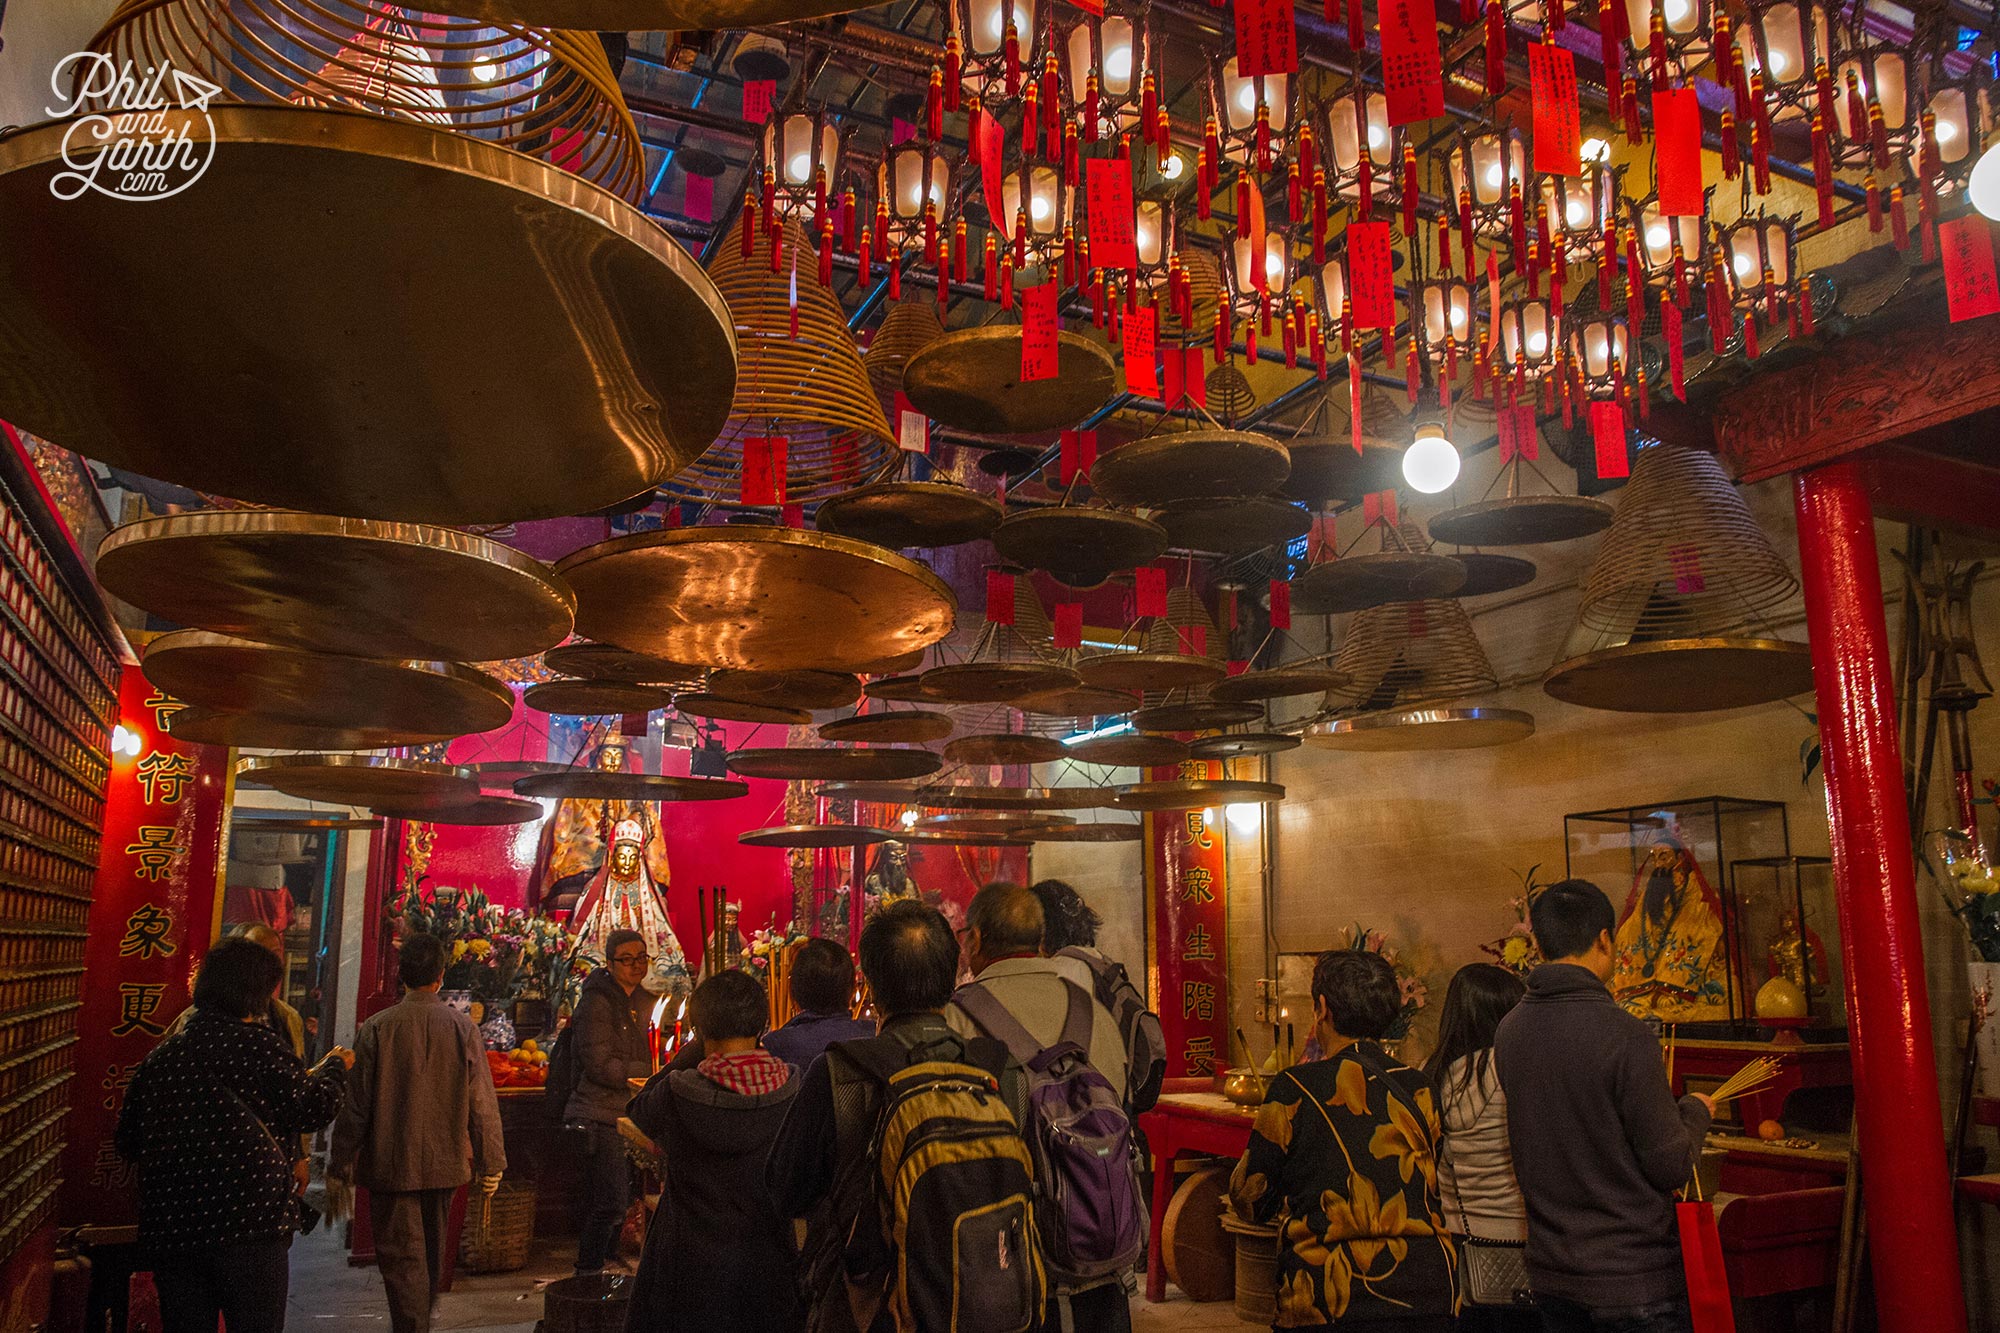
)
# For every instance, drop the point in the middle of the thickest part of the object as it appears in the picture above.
(1912, 1239)
(152, 915)
(1187, 881)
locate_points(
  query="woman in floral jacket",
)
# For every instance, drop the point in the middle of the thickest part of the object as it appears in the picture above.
(1344, 1156)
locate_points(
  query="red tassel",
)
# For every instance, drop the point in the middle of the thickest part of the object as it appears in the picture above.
(1365, 183)
(934, 107)
(1413, 380)
(1291, 189)
(1805, 304)
(1750, 335)
(1308, 153)
(1242, 205)
(1656, 48)
(1051, 105)
(826, 257)
(896, 276)
(1680, 276)
(1357, 38)
(1011, 49)
(1725, 50)
(1760, 134)
(1878, 134)
(1072, 156)
(1263, 137)
(992, 288)
(1006, 286)
(770, 203)
(1558, 271)
(1610, 52)
(863, 254)
(954, 79)
(1496, 49)
(1517, 222)
(749, 224)
(1857, 109)
(847, 218)
(1031, 123)
(1465, 228)
(1250, 343)
(1732, 163)
(1874, 206)
(1899, 230)
(1149, 102)
(1222, 334)
(1558, 15)
(1822, 156)
(1409, 190)
(1319, 215)
(944, 281)
(1444, 243)
(1021, 239)
(1823, 92)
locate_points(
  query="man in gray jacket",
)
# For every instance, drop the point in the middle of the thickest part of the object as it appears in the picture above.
(1599, 1142)
(420, 1121)
(609, 1028)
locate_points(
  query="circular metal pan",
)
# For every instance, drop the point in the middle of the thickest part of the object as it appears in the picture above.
(1082, 702)
(1423, 729)
(763, 599)
(254, 731)
(967, 796)
(435, 700)
(1150, 671)
(1241, 745)
(811, 690)
(735, 710)
(844, 764)
(486, 812)
(1683, 675)
(592, 784)
(970, 379)
(902, 514)
(607, 661)
(338, 585)
(1004, 748)
(994, 682)
(1357, 582)
(354, 383)
(877, 793)
(906, 726)
(1521, 520)
(1129, 749)
(595, 698)
(1098, 831)
(1233, 527)
(1193, 793)
(898, 689)
(362, 779)
(990, 821)
(1196, 715)
(1278, 683)
(507, 772)
(894, 665)
(815, 835)
(1191, 465)
(1486, 573)
(1078, 541)
(1326, 469)
(956, 838)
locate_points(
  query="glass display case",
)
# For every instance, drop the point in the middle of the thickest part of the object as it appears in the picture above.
(1675, 954)
(1788, 941)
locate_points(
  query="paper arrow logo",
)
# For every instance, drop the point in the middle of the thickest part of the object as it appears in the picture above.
(194, 93)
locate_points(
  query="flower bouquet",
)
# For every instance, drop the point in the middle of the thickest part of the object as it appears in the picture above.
(767, 946)
(1516, 950)
(1971, 887)
(1414, 992)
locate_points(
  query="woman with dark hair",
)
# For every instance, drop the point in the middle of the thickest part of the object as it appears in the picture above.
(205, 1118)
(1343, 1156)
(1481, 1199)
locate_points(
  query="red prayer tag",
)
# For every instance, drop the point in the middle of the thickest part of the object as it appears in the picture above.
(1281, 604)
(758, 94)
(1140, 336)
(1267, 37)
(1670, 332)
(1685, 562)
(699, 195)
(1071, 451)
(763, 470)
(1412, 69)
(913, 428)
(901, 131)
(1108, 205)
(1607, 433)
(1518, 436)
(1193, 639)
(999, 597)
(1677, 151)
(1195, 375)
(1039, 356)
(1371, 285)
(1969, 287)
(1069, 625)
(1174, 392)
(1149, 590)
(1379, 507)
(1260, 273)
(1558, 119)
(794, 515)
(989, 142)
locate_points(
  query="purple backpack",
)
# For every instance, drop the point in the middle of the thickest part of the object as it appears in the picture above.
(1092, 1223)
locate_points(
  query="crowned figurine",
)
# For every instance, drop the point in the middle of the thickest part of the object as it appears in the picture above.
(623, 896)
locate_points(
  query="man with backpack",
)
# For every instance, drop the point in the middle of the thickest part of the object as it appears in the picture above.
(1077, 1126)
(1069, 938)
(902, 1152)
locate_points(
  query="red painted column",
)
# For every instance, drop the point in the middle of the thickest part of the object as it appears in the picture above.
(1912, 1238)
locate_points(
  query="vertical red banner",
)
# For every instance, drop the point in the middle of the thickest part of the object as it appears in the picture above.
(763, 470)
(1068, 628)
(1108, 213)
(1969, 287)
(1558, 117)
(1607, 435)
(700, 198)
(1194, 374)
(999, 597)
(1518, 436)
(1281, 604)
(1371, 283)
(1149, 590)
(1267, 37)
(1412, 68)
(152, 915)
(1141, 336)
(1039, 348)
(758, 94)
(989, 145)
(1677, 151)
(1187, 873)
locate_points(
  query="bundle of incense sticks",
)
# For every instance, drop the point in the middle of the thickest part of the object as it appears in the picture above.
(1670, 1055)
(1753, 1077)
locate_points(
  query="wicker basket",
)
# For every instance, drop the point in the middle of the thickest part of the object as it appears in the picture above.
(496, 1236)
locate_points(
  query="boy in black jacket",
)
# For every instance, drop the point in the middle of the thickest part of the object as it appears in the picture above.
(1599, 1143)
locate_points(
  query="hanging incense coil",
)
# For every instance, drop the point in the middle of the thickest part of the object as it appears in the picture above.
(903, 514)
(548, 93)
(1309, 676)
(1196, 714)
(808, 387)
(808, 689)
(1082, 702)
(1096, 831)
(1008, 661)
(595, 698)
(1487, 573)
(1195, 793)
(910, 326)
(714, 708)
(1012, 747)
(361, 779)
(1233, 526)
(484, 812)
(606, 661)
(1129, 749)
(999, 822)
(1401, 654)
(978, 796)
(816, 836)
(1230, 397)
(1204, 284)
(1404, 570)
(594, 784)
(1171, 466)
(1080, 546)
(851, 763)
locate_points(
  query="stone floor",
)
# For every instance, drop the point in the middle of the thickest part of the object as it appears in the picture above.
(328, 1296)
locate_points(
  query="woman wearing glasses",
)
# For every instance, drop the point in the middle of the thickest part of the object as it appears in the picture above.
(609, 1028)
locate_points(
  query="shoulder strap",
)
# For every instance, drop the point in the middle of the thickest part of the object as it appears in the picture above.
(1078, 1021)
(984, 1009)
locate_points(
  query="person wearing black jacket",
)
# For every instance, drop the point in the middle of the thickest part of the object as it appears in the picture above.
(609, 1028)
(714, 1125)
(205, 1118)
(1599, 1143)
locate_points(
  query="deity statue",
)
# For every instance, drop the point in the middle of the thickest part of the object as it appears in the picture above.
(574, 842)
(1797, 954)
(734, 946)
(889, 877)
(624, 896)
(1669, 959)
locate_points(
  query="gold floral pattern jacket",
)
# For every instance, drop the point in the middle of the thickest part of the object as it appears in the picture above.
(1349, 1171)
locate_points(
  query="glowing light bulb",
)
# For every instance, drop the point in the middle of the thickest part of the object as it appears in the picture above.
(1946, 131)
(1657, 237)
(123, 740)
(1118, 64)
(1779, 62)
(909, 819)
(1576, 212)
(1673, 11)
(1538, 343)
(1274, 267)
(1744, 266)
(1494, 176)
(1244, 816)
(1172, 167)
(1038, 209)
(485, 71)
(1595, 150)
(1377, 137)
(1457, 317)
(1246, 98)
(996, 25)
(1984, 187)
(1430, 463)
(798, 167)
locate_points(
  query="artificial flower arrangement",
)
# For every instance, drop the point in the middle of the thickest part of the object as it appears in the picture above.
(1414, 992)
(767, 946)
(496, 954)
(1516, 950)
(1972, 888)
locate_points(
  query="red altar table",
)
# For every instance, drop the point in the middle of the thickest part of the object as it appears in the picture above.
(1701, 1064)
(1186, 1122)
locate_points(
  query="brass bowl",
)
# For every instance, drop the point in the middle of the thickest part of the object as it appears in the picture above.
(1245, 1087)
